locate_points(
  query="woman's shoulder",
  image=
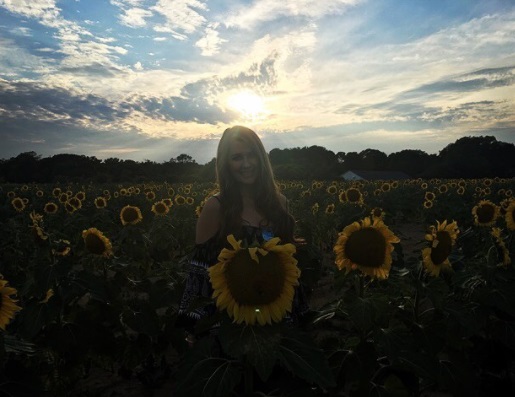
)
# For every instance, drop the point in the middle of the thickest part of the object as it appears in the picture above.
(208, 222)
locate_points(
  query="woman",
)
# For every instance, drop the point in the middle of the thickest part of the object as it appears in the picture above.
(249, 206)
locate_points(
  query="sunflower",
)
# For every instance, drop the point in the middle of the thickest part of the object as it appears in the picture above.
(179, 200)
(509, 216)
(429, 196)
(48, 295)
(51, 207)
(423, 186)
(428, 204)
(97, 243)
(496, 233)
(70, 209)
(74, 201)
(332, 189)
(190, 200)
(63, 198)
(377, 213)
(385, 187)
(367, 246)
(8, 307)
(168, 202)
(130, 215)
(39, 234)
(442, 238)
(18, 204)
(11, 194)
(354, 195)
(460, 190)
(171, 192)
(329, 210)
(150, 195)
(81, 195)
(56, 192)
(40, 193)
(63, 248)
(160, 208)
(100, 202)
(485, 213)
(342, 197)
(315, 208)
(255, 284)
(443, 189)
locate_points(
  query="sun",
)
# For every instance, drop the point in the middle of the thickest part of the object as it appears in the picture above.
(248, 104)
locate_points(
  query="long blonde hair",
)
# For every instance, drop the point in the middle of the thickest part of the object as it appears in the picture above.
(267, 192)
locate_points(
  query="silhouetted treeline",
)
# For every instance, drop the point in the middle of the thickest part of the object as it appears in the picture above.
(468, 157)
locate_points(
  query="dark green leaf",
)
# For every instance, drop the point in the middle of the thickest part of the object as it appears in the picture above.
(301, 357)
(205, 373)
(259, 345)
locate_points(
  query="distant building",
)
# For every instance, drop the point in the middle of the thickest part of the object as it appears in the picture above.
(362, 175)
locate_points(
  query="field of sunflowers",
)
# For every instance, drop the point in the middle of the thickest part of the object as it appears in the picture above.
(91, 277)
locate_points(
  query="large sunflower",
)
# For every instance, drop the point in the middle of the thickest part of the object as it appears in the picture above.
(442, 238)
(485, 213)
(130, 215)
(509, 216)
(367, 246)
(255, 284)
(96, 242)
(8, 307)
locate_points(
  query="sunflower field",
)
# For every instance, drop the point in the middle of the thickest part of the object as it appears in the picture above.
(410, 285)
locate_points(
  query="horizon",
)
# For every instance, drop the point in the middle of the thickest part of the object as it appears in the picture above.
(214, 157)
(142, 79)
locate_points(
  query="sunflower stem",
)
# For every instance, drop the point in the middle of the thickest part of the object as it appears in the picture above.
(248, 377)
(417, 296)
(360, 286)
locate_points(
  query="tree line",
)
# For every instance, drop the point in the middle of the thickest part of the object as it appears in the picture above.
(468, 157)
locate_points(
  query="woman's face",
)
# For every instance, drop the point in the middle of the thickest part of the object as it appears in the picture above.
(243, 162)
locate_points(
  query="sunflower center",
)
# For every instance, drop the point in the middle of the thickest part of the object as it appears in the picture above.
(443, 249)
(161, 208)
(485, 213)
(254, 283)
(366, 247)
(130, 214)
(353, 195)
(94, 244)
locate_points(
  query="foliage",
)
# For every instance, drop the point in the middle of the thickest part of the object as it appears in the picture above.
(407, 335)
(468, 157)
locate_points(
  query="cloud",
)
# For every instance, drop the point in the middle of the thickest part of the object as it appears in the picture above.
(41, 9)
(135, 17)
(247, 17)
(211, 42)
(180, 15)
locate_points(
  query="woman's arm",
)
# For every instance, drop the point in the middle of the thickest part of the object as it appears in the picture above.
(209, 221)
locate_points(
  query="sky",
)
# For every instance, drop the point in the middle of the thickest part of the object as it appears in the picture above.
(153, 79)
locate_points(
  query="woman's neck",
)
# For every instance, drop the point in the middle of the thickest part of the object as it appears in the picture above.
(247, 192)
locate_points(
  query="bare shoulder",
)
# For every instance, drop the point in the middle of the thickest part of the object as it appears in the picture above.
(211, 204)
(208, 222)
